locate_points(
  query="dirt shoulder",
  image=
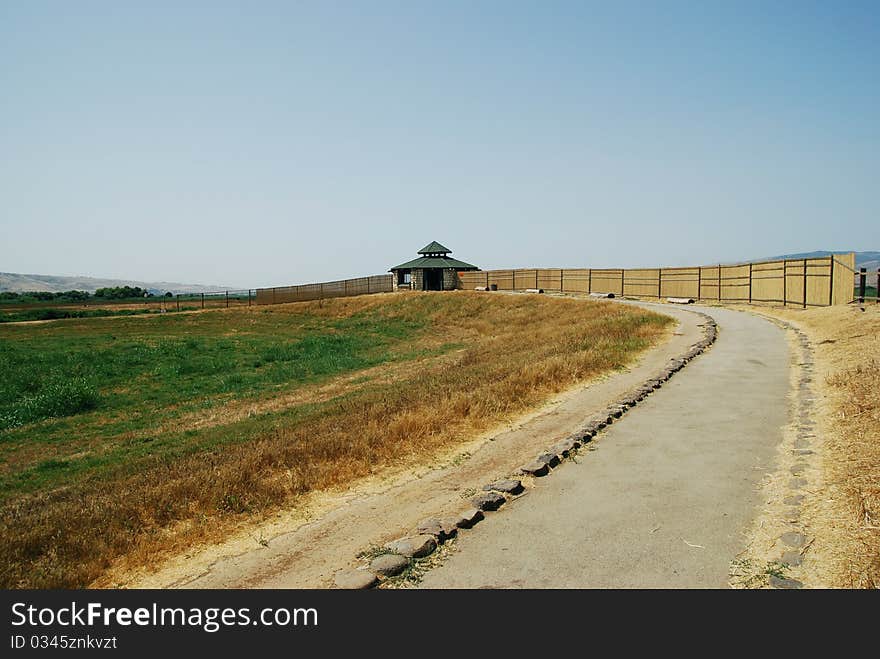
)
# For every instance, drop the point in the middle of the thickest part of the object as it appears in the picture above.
(832, 451)
(302, 548)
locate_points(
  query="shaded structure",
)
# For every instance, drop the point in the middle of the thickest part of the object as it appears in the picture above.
(434, 270)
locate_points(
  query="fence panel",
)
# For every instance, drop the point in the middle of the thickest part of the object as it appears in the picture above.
(643, 282)
(843, 269)
(710, 283)
(576, 280)
(768, 283)
(472, 279)
(680, 282)
(606, 281)
(550, 279)
(503, 279)
(818, 282)
(794, 282)
(523, 279)
(735, 282)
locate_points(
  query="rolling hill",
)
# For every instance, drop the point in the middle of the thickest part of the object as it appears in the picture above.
(20, 283)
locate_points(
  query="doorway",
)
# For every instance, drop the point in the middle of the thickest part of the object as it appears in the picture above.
(434, 280)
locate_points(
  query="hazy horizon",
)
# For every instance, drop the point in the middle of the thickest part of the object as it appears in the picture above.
(273, 143)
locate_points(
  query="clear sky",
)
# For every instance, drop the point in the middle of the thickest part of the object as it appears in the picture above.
(268, 143)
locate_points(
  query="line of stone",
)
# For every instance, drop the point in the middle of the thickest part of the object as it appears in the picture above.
(399, 554)
(796, 539)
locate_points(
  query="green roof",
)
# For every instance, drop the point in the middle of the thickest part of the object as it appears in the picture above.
(435, 262)
(434, 248)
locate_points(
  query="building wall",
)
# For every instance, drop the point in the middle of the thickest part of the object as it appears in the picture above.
(398, 281)
(451, 280)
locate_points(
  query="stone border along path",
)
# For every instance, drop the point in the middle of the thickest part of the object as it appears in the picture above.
(796, 541)
(399, 555)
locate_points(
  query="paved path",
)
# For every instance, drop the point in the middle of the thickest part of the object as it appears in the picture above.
(664, 499)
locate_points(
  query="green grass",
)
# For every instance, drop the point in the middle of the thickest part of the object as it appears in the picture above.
(114, 382)
(57, 314)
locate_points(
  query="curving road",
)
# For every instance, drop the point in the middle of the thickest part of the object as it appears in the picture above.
(665, 497)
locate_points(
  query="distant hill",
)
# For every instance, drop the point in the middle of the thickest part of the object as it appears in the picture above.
(18, 283)
(869, 260)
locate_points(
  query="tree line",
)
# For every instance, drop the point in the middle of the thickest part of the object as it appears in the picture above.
(109, 293)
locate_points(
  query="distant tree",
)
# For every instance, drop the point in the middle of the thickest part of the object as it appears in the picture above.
(169, 294)
(120, 292)
(72, 295)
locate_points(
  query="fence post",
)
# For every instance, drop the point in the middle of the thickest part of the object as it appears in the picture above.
(249, 297)
(877, 292)
(203, 300)
(536, 278)
(659, 283)
(750, 283)
(831, 281)
(368, 285)
(863, 277)
(227, 299)
(562, 280)
(699, 282)
(622, 281)
(805, 283)
(719, 282)
(784, 282)
(589, 280)
(178, 301)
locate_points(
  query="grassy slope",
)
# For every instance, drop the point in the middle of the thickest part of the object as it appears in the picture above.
(131, 459)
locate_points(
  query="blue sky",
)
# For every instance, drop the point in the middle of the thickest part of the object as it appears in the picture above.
(267, 143)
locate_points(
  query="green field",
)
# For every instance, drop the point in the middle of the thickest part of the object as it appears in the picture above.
(113, 382)
(127, 436)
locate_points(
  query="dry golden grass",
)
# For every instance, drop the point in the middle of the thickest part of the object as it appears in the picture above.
(845, 516)
(519, 350)
(858, 469)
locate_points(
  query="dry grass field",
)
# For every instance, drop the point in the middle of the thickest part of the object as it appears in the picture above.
(845, 514)
(141, 436)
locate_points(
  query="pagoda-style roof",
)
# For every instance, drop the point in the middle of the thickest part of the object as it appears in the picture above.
(434, 248)
(435, 255)
(435, 262)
